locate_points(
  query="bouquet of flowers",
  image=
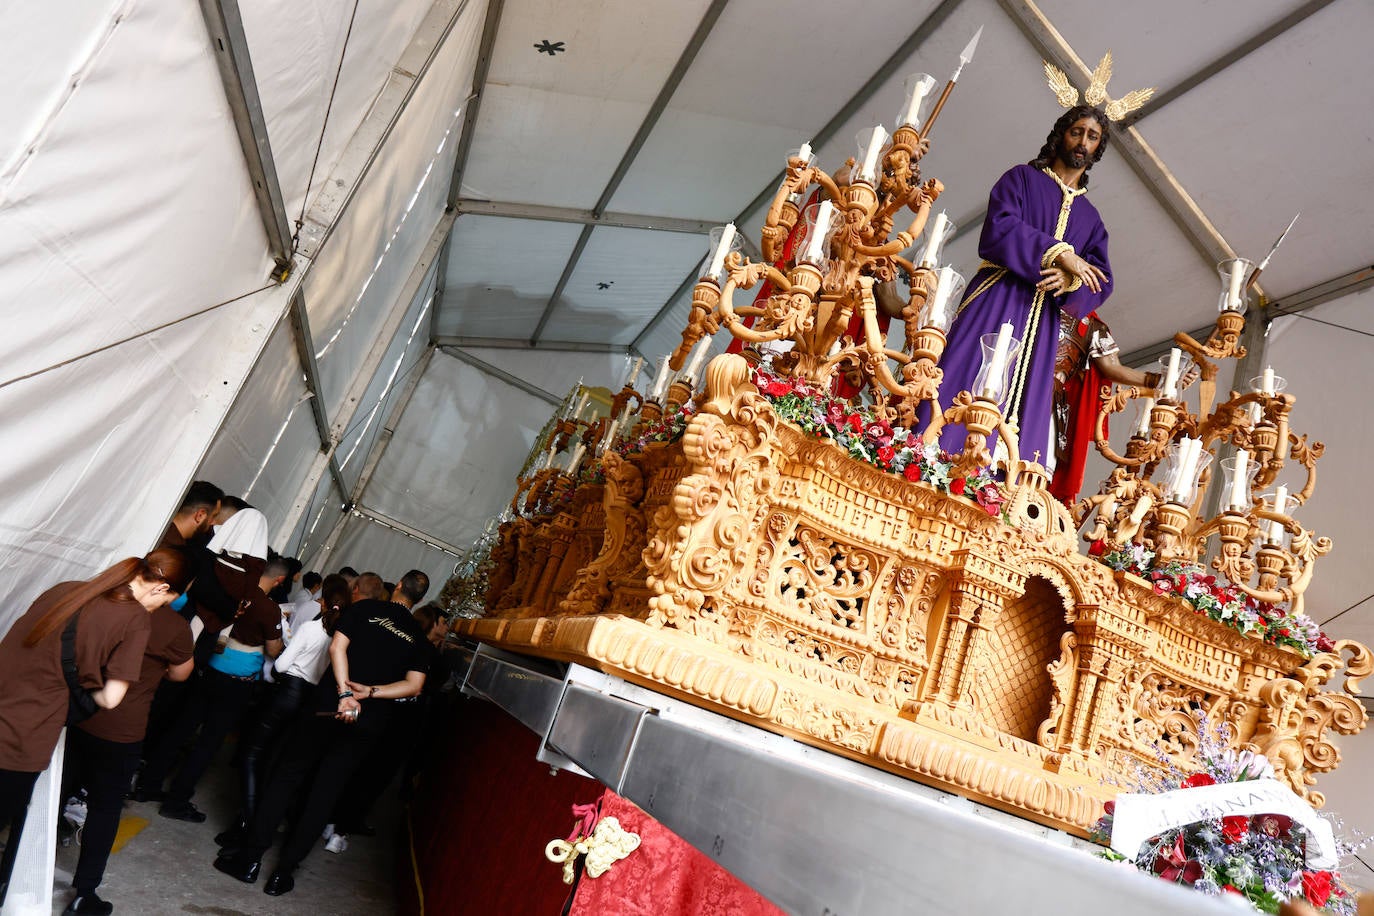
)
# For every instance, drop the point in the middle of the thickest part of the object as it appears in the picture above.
(872, 439)
(1260, 857)
(1226, 604)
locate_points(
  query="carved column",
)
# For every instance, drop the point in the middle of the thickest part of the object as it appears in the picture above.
(979, 585)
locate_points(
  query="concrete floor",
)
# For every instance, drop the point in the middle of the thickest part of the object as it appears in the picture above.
(165, 868)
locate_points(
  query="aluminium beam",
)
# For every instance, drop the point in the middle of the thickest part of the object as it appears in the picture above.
(885, 71)
(387, 521)
(646, 127)
(544, 346)
(486, 45)
(229, 45)
(544, 213)
(305, 351)
(369, 139)
(514, 381)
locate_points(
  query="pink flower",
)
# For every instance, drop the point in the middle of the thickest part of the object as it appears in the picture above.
(1175, 865)
(1324, 643)
(880, 432)
(990, 498)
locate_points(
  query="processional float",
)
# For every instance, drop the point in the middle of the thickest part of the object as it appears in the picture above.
(743, 538)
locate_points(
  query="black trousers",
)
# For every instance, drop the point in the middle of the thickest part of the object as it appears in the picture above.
(260, 738)
(327, 749)
(385, 758)
(216, 706)
(103, 768)
(16, 789)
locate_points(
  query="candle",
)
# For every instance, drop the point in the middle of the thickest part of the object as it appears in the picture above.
(1185, 466)
(660, 380)
(634, 371)
(868, 172)
(920, 88)
(998, 366)
(1233, 291)
(575, 457)
(581, 403)
(937, 235)
(727, 236)
(548, 458)
(1267, 382)
(815, 246)
(611, 430)
(698, 357)
(1239, 484)
(1169, 391)
(1143, 427)
(804, 154)
(1275, 529)
(938, 314)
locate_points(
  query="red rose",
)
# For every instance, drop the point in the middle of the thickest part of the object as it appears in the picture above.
(776, 389)
(1234, 828)
(1284, 631)
(1109, 807)
(855, 422)
(1316, 887)
(1198, 779)
(1231, 889)
(957, 486)
(1324, 643)
(912, 471)
(886, 454)
(1097, 548)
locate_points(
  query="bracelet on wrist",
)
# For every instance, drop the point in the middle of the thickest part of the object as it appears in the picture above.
(345, 694)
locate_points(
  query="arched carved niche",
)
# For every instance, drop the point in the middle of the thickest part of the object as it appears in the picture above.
(1014, 691)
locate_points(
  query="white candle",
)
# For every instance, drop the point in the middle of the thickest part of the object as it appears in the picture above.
(1190, 451)
(660, 380)
(937, 235)
(804, 154)
(868, 172)
(575, 457)
(1239, 483)
(1143, 427)
(998, 365)
(937, 316)
(1233, 291)
(581, 403)
(1141, 507)
(1275, 529)
(548, 458)
(1169, 391)
(815, 246)
(634, 372)
(611, 430)
(1267, 382)
(919, 90)
(727, 236)
(698, 358)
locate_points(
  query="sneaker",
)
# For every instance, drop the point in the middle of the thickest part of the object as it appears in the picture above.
(75, 809)
(89, 903)
(328, 832)
(337, 843)
(182, 811)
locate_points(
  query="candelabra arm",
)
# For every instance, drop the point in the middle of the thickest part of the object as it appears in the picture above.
(794, 181)
(750, 273)
(1114, 402)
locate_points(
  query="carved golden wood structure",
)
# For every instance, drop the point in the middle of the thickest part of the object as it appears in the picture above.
(757, 570)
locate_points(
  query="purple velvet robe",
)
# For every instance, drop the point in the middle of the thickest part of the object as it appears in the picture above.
(1023, 210)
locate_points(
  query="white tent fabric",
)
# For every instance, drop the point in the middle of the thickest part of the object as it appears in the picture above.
(579, 145)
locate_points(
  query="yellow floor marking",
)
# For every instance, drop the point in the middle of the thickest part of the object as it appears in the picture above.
(129, 827)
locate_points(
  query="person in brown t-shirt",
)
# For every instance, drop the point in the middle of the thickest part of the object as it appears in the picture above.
(195, 516)
(112, 625)
(103, 751)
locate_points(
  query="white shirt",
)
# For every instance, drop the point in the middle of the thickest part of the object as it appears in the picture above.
(308, 654)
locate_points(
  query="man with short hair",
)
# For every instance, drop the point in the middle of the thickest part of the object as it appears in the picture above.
(410, 589)
(309, 589)
(368, 586)
(196, 515)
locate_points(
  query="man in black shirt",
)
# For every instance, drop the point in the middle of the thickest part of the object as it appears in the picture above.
(379, 654)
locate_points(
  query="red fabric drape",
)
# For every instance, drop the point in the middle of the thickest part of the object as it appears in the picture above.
(665, 876)
(1084, 395)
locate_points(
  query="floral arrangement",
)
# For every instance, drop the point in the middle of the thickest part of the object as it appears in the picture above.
(1223, 603)
(1259, 857)
(872, 439)
(668, 428)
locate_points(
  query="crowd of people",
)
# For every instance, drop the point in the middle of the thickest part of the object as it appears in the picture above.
(155, 662)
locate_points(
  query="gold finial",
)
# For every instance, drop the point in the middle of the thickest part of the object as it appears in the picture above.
(1096, 94)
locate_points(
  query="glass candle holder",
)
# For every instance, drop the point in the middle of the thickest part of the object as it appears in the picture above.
(937, 232)
(1142, 417)
(1172, 369)
(1274, 533)
(1235, 280)
(820, 222)
(869, 161)
(1268, 384)
(724, 239)
(942, 302)
(918, 93)
(1186, 462)
(1238, 474)
(1000, 352)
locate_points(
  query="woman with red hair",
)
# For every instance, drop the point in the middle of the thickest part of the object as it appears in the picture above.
(76, 649)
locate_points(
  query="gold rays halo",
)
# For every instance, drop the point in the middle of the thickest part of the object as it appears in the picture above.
(1096, 93)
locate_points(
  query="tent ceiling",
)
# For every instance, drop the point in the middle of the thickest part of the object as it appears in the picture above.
(552, 128)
